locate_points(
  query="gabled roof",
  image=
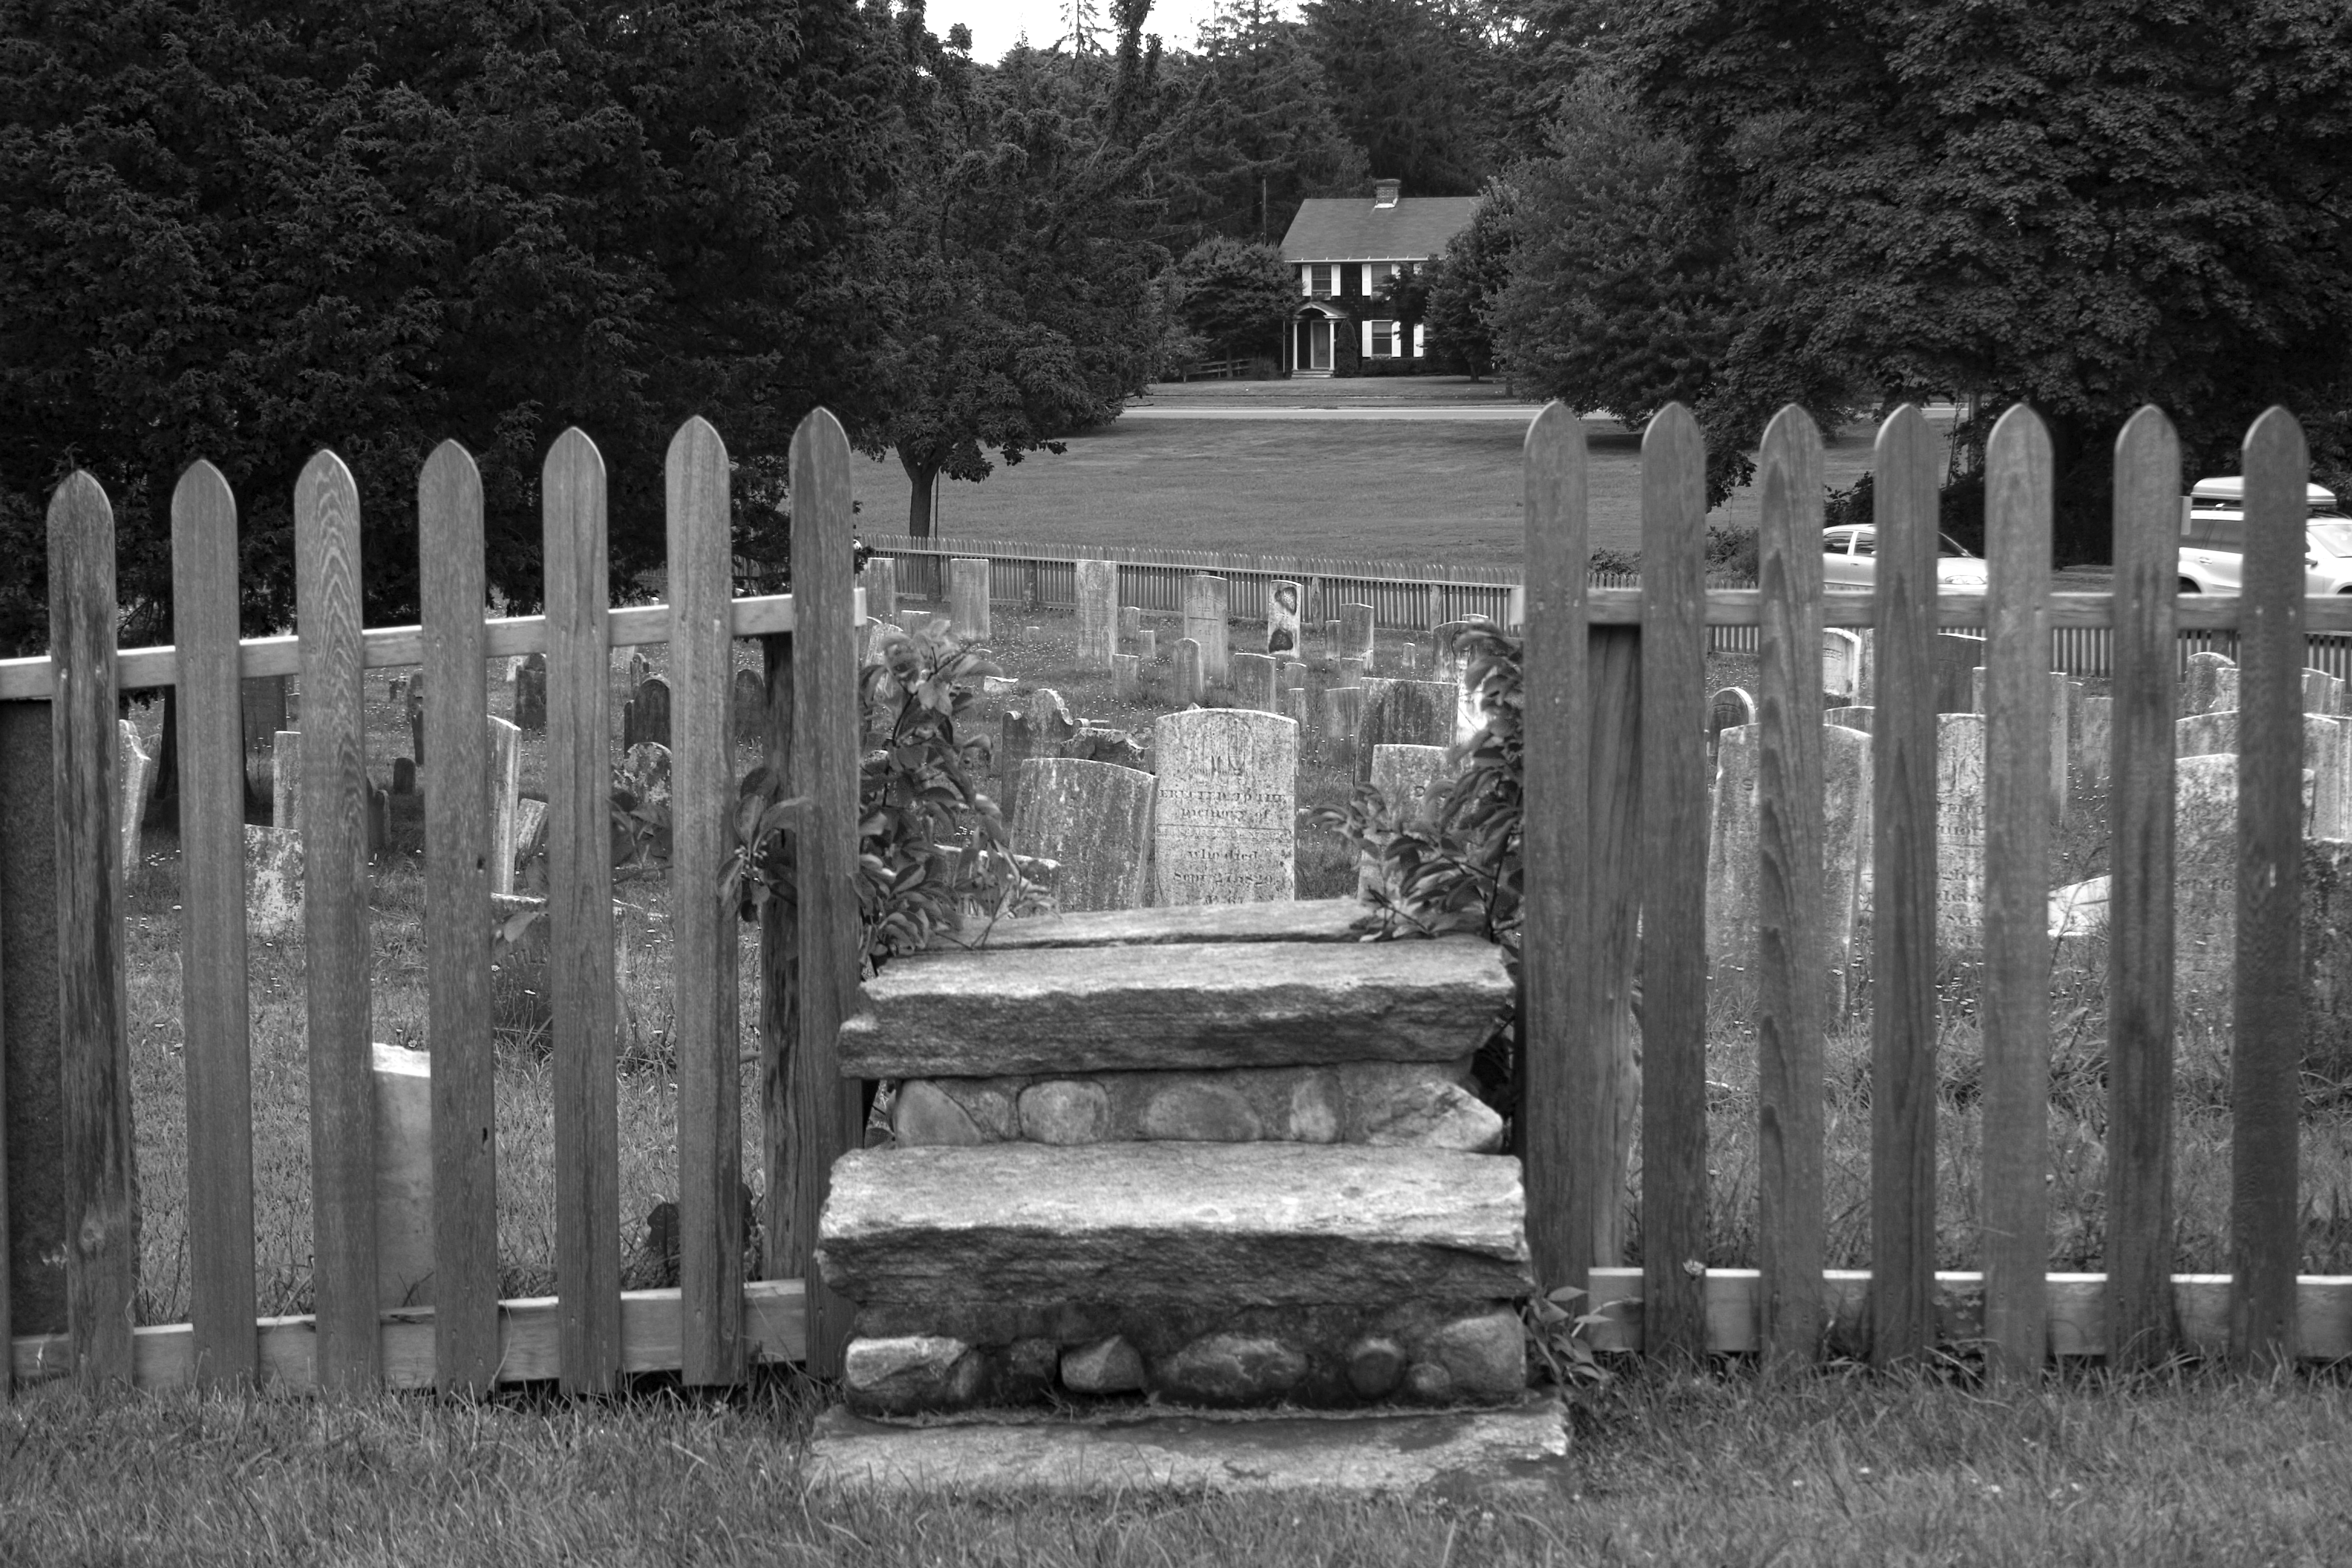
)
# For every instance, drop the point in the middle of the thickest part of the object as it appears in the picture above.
(1352, 228)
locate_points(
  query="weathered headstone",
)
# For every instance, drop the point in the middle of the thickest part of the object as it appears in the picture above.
(404, 775)
(1253, 684)
(1040, 729)
(273, 882)
(264, 701)
(968, 598)
(530, 694)
(1865, 690)
(1850, 717)
(1959, 831)
(1297, 707)
(506, 784)
(1224, 826)
(2326, 757)
(1281, 618)
(138, 770)
(1204, 623)
(2322, 693)
(1845, 844)
(1841, 664)
(1408, 657)
(1147, 646)
(648, 721)
(1130, 622)
(1954, 657)
(286, 780)
(1403, 713)
(1098, 584)
(2213, 684)
(880, 581)
(1733, 850)
(644, 772)
(750, 706)
(639, 671)
(1095, 820)
(1294, 675)
(1124, 674)
(1411, 779)
(1729, 708)
(2094, 739)
(2204, 883)
(1343, 711)
(530, 830)
(1357, 638)
(2327, 959)
(2062, 730)
(1331, 648)
(1190, 685)
(379, 821)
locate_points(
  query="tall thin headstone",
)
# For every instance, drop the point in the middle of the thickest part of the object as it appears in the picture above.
(1730, 709)
(1124, 674)
(2094, 738)
(1204, 623)
(1350, 672)
(1147, 646)
(138, 771)
(1959, 831)
(1130, 622)
(286, 780)
(415, 722)
(1734, 845)
(1224, 824)
(529, 680)
(1094, 819)
(1343, 712)
(2213, 684)
(1356, 633)
(506, 785)
(1097, 583)
(649, 715)
(968, 598)
(880, 580)
(1281, 618)
(1840, 665)
(1253, 684)
(1189, 683)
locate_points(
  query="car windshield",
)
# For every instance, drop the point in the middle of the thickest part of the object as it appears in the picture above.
(2332, 536)
(1946, 547)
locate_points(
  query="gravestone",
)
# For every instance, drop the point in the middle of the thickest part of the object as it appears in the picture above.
(639, 671)
(404, 775)
(1147, 646)
(416, 719)
(1733, 852)
(2204, 883)
(31, 1097)
(1849, 718)
(968, 598)
(2061, 731)
(1845, 845)
(1841, 664)
(2094, 738)
(1294, 675)
(506, 783)
(1403, 713)
(273, 882)
(530, 708)
(1189, 686)
(1331, 648)
(1040, 729)
(1130, 622)
(1953, 657)
(645, 774)
(648, 717)
(1866, 686)
(1297, 707)
(1253, 683)
(2322, 693)
(286, 780)
(1281, 618)
(1408, 657)
(1125, 672)
(1097, 583)
(1343, 711)
(264, 701)
(1356, 635)
(2326, 757)
(379, 821)
(880, 581)
(1101, 743)
(1413, 779)
(1225, 820)
(138, 770)
(1729, 709)
(1095, 820)
(530, 831)
(2212, 684)
(1469, 715)
(751, 705)
(1204, 623)
(2327, 959)
(1959, 831)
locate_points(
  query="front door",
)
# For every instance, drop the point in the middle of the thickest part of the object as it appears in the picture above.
(1318, 344)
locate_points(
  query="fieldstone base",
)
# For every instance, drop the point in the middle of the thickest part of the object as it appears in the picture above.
(1482, 1455)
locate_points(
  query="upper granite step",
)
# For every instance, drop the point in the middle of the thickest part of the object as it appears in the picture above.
(1237, 1225)
(1176, 1004)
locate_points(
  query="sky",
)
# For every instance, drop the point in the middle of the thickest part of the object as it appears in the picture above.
(997, 25)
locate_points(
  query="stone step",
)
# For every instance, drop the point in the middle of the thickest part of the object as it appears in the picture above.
(986, 1013)
(1235, 1224)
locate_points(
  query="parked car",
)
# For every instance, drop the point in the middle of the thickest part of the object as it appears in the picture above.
(2213, 540)
(1849, 560)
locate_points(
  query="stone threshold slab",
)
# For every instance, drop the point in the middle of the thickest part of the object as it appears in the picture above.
(1202, 1004)
(1280, 919)
(1470, 1455)
(1238, 1224)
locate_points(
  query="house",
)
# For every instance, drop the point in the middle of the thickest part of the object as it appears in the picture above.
(1342, 249)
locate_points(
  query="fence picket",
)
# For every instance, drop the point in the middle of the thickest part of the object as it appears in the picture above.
(2267, 1035)
(1903, 937)
(210, 699)
(1792, 947)
(709, 1036)
(826, 728)
(93, 1050)
(1564, 1076)
(1674, 881)
(2142, 1325)
(452, 589)
(335, 922)
(580, 916)
(2015, 1010)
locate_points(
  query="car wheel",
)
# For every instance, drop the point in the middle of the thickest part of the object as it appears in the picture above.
(2188, 586)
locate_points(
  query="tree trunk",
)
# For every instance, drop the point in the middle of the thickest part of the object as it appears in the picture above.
(920, 478)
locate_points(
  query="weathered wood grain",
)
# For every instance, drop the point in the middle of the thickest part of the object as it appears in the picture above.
(1562, 1075)
(1792, 949)
(2139, 1298)
(784, 1083)
(1903, 940)
(1607, 1040)
(707, 1035)
(1674, 880)
(452, 587)
(2015, 1013)
(580, 916)
(2267, 1012)
(824, 768)
(93, 1050)
(221, 1303)
(335, 920)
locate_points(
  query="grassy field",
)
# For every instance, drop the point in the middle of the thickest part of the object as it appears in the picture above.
(1839, 1470)
(1411, 492)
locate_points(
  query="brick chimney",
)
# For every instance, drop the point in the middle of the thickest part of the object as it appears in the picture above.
(1384, 192)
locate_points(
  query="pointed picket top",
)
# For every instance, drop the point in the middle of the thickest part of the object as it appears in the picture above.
(450, 460)
(203, 491)
(80, 501)
(2147, 430)
(2018, 453)
(695, 440)
(574, 452)
(2274, 438)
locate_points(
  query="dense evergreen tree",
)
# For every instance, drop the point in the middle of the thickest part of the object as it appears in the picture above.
(1462, 288)
(1417, 84)
(1236, 297)
(1264, 134)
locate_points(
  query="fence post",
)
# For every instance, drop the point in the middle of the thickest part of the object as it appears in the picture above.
(1674, 881)
(825, 725)
(2142, 1320)
(709, 1036)
(2267, 1017)
(2015, 1012)
(1791, 951)
(1902, 875)
(451, 590)
(94, 1057)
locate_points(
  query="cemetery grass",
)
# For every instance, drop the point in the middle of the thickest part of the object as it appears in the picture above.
(1840, 1468)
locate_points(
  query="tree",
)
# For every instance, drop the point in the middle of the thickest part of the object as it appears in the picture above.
(1263, 134)
(1236, 296)
(1463, 287)
(2087, 207)
(1416, 84)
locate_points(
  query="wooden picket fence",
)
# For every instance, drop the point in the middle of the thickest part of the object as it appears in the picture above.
(591, 1334)
(1616, 843)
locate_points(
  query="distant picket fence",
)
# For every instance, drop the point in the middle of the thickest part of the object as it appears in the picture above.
(1615, 878)
(58, 713)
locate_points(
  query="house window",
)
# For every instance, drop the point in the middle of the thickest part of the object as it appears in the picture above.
(1322, 277)
(1384, 339)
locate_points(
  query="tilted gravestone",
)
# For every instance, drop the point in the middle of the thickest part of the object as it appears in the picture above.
(1205, 610)
(968, 598)
(1097, 583)
(506, 783)
(1225, 818)
(1039, 730)
(1094, 819)
(2212, 684)
(1281, 618)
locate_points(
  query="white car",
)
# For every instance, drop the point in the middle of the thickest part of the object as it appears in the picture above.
(1849, 561)
(2213, 540)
